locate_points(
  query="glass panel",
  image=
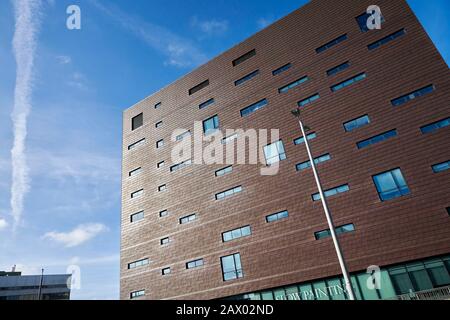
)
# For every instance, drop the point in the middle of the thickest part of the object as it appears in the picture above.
(306, 292)
(400, 280)
(321, 290)
(438, 273)
(367, 293)
(279, 294)
(419, 277)
(336, 289)
(386, 289)
(292, 293)
(267, 295)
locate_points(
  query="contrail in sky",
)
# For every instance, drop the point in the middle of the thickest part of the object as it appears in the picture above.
(27, 17)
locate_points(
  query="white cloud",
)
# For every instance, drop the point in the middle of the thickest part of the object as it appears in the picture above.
(210, 27)
(3, 224)
(77, 236)
(27, 16)
(78, 80)
(180, 52)
(64, 59)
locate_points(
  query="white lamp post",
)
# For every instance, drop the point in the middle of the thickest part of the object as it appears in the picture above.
(342, 263)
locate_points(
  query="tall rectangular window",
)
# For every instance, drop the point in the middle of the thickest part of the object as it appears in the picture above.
(281, 69)
(137, 144)
(246, 78)
(199, 87)
(339, 230)
(137, 121)
(244, 57)
(228, 193)
(252, 108)
(138, 263)
(137, 216)
(211, 124)
(274, 152)
(337, 69)
(231, 267)
(308, 100)
(412, 95)
(332, 43)
(309, 136)
(277, 216)
(137, 194)
(194, 264)
(348, 82)
(356, 123)
(293, 84)
(443, 166)
(376, 139)
(135, 172)
(159, 143)
(137, 294)
(187, 219)
(386, 39)
(435, 126)
(307, 164)
(224, 171)
(390, 184)
(206, 104)
(332, 192)
(236, 233)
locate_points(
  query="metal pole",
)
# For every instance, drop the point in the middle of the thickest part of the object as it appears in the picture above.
(345, 273)
(40, 284)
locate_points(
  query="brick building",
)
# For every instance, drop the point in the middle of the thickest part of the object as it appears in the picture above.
(378, 104)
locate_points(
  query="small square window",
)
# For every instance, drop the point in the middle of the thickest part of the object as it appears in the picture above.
(162, 188)
(137, 121)
(163, 213)
(165, 241)
(274, 152)
(158, 124)
(160, 164)
(390, 185)
(166, 271)
(159, 143)
(210, 125)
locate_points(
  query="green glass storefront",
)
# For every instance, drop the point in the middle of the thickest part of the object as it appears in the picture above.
(393, 281)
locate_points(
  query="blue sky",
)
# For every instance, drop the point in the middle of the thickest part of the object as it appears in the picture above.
(82, 81)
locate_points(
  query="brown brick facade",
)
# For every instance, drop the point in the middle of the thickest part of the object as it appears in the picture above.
(283, 252)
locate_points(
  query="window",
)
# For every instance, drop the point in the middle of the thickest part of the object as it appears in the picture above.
(229, 138)
(281, 69)
(183, 135)
(441, 166)
(376, 139)
(246, 78)
(137, 294)
(162, 188)
(166, 271)
(356, 123)
(309, 136)
(435, 126)
(291, 85)
(390, 184)
(181, 165)
(158, 124)
(338, 230)
(138, 263)
(231, 267)
(135, 172)
(165, 241)
(277, 216)
(362, 21)
(387, 39)
(187, 219)
(332, 43)
(158, 105)
(448, 210)
(199, 87)
(236, 233)
(274, 152)
(244, 57)
(252, 108)
(339, 68)
(163, 213)
(308, 100)
(307, 164)
(206, 103)
(160, 143)
(160, 164)
(211, 124)
(348, 82)
(332, 192)
(136, 144)
(137, 216)
(194, 264)
(137, 121)
(137, 194)
(228, 193)
(412, 95)
(224, 171)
